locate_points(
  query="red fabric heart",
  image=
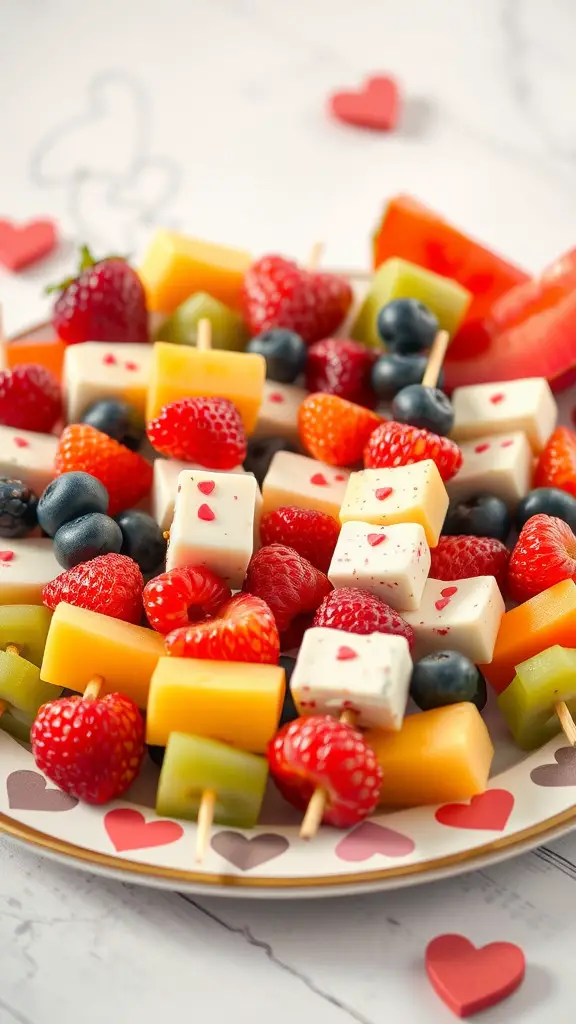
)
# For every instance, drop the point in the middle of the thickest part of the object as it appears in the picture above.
(468, 979)
(21, 245)
(490, 810)
(129, 830)
(374, 106)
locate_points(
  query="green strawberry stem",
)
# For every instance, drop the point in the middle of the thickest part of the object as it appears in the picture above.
(86, 261)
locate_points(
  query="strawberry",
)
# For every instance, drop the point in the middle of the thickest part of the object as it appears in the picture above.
(109, 584)
(91, 748)
(288, 583)
(279, 293)
(333, 430)
(244, 630)
(321, 751)
(357, 611)
(400, 444)
(105, 302)
(30, 398)
(462, 557)
(208, 431)
(557, 463)
(126, 475)
(342, 367)
(312, 534)
(545, 554)
(181, 596)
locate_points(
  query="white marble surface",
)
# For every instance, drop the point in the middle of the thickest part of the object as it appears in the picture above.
(117, 116)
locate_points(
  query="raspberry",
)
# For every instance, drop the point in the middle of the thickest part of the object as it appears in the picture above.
(91, 748)
(312, 534)
(278, 293)
(181, 596)
(244, 630)
(208, 431)
(333, 430)
(399, 444)
(545, 554)
(30, 398)
(106, 302)
(126, 475)
(462, 557)
(288, 583)
(557, 463)
(320, 751)
(109, 584)
(342, 367)
(357, 611)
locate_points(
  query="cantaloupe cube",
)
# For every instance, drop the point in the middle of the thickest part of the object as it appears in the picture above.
(175, 266)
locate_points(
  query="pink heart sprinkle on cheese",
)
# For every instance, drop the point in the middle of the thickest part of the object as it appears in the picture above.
(339, 477)
(21, 442)
(345, 654)
(383, 492)
(481, 448)
(276, 397)
(319, 480)
(131, 366)
(374, 539)
(6, 556)
(109, 359)
(506, 444)
(206, 486)
(497, 398)
(205, 513)
(446, 596)
(449, 591)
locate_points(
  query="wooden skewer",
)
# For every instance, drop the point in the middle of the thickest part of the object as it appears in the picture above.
(204, 335)
(435, 359)
(204, 827)
(315, 256)
(566, 721)
(315, 811)
(10, 648)
(92, 691)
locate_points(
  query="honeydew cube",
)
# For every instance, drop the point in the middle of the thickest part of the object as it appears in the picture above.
(21, 686)
(98, 370)
(297, 480)
(404, 494)
(528, 702)
(17, 724)
(228, 328)
(175, 266)
(26, 626)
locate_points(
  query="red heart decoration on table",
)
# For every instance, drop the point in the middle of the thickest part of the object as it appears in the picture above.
(489, 810)
(21, 245)
(468, 979)
(368, 839)
(375, 106)
(129, 830)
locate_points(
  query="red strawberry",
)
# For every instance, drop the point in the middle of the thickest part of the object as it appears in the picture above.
(342, 367)
(557, 463)
(545, 554)
(288, 583)
(30, 398)
(126, 475)
(399, 444)
(357, 611)
(181, 596)
(106, 302)
(109, 584)
(279, 293)
(208, 431)
(91, 748)
(312, 534)
(462, 557)
(321, 751)
(333, 430)
(244, 630)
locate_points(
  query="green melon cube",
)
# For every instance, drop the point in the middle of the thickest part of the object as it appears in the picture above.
(399, 279)
(193, 764)
(26, 626)
(228, 328)
(21, 686)
(528, 702)
(17, 724)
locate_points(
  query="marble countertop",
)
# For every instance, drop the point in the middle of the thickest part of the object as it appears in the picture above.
(118, 117)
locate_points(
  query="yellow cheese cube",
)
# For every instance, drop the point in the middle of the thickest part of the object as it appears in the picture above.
(180, 371)
(405, 494)
(236, 702)
(82, 644)
(175, 266)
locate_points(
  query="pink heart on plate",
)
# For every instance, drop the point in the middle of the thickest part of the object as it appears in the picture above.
(369, 839)
(376, 105)
(129, 830)
(21, 245)
(490, 810)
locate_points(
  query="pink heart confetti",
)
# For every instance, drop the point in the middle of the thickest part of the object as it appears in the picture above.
(319, 480)
(21, 442)
(109, 360)
(276, 397)
(383, 492)
(345, 653)
(206, 514)
(481, 448)
(6, 556)
(374, 539)
(497, 398)
(206, 486)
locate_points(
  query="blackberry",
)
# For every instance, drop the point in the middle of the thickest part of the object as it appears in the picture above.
(18, 505)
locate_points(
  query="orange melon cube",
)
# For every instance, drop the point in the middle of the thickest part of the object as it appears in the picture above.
(49, 353)
(542, 622)
(439, 755)
(175, 266)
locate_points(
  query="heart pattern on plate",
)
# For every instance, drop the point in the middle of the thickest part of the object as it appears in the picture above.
(563, 773)
(490, 810)
(128, 830)
(248, 852)
(28, 791)
(468, 979)
(369, 839)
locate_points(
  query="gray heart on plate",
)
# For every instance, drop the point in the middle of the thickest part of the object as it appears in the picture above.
(246, 854)
(563, 773)
(27, 791)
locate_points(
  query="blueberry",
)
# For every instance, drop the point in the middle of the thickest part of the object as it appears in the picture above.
(85, 538)
(549, 501)
(407, 326)
(393, 372)
(142, 539)
(485, 515)
(446, 677)
(18, 508)
(428, 408)
(284, 352)
(289, 711)
(118, 420)
(156, 754)
(261, 451)
(68, 497)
